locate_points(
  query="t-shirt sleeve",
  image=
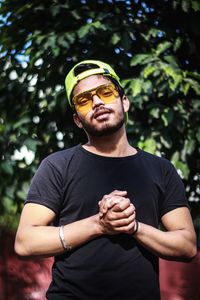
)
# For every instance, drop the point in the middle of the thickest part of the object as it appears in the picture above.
(174, 190)
(46, 186)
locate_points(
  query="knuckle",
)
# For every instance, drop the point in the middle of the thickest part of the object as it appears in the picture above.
(126, 214)
(110, 217)
(126, 222)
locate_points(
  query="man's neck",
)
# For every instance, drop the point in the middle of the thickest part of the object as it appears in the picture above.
(114, 145)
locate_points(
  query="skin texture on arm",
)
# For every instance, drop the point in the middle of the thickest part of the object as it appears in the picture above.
(178, 241)
(36, 237)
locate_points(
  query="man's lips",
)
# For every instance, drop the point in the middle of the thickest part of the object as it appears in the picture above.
(100, 112)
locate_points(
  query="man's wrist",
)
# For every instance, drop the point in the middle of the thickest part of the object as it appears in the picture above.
(99, 229)
(136, 227)
(65, 245)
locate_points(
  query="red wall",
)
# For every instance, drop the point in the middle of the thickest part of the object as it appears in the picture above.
(28, 279)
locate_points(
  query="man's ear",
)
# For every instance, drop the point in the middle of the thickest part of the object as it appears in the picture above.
(125, 103)
(77, 121)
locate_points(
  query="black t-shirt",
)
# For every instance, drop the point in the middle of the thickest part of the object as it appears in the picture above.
(71, 183)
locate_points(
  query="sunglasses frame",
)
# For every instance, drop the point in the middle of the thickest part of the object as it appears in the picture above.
(94, 91)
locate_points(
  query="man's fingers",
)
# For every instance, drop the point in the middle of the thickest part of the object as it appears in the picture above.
(118, 193)
(121, 205)
(111, 200)
(120, 214)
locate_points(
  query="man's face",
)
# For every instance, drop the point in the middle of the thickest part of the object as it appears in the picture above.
(100, 117)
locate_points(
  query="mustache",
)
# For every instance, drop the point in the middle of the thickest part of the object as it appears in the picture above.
(101, 110)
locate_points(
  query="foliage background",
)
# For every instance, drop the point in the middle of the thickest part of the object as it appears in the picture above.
(153, 45)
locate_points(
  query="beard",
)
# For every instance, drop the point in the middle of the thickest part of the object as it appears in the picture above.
(106, 128)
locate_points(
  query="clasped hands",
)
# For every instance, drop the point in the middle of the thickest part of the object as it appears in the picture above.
(117, 214)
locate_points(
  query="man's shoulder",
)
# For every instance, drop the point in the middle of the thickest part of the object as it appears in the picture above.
(62, 157)
(152, 156)
(155, 159)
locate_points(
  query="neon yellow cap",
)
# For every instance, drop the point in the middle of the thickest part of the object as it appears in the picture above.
(100, 68)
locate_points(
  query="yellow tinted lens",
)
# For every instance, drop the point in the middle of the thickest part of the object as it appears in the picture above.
(83, 102)
(107, 93)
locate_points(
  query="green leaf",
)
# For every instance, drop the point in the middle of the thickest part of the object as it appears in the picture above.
(7, 168)
(171, 59)
(185, 88)
(198, 135)
(148, 70)
(148, 145)
(23, 8)
(22, 195)
(10, 190)
(166, 141)
(147, 87)
(167, 116)
(179, 165)
(165, 120)
(176, 81)
(185, 5)
(98, 24)
(8, 204)
(136, 86)
(55, 50)
(195, 85)
(183, 167)
(22, 121)
(194, 75)
(175, 157)
(62, 41)
(162, 47)
(190, 146)
(177, 44)
(83, 31)
(172, 72)
(140, 59)
(31, 144)
(196, 5)
(76, 15)
(115, 38)
(155, 112)
(71, 37)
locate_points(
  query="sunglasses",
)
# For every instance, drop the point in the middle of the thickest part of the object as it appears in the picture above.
(107, 93)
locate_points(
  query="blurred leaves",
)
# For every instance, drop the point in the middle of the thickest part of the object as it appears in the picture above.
(153, 46)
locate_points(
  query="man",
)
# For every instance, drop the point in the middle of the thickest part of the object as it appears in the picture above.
(97, 207)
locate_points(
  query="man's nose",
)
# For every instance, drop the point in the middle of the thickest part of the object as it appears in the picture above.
(96, 101)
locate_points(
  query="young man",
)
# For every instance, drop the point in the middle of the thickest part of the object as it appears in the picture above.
(97, 207)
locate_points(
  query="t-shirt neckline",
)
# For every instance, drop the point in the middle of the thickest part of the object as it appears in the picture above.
(98, 156)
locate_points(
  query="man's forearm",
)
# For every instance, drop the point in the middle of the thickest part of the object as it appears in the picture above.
(45, 241)
(177, 243)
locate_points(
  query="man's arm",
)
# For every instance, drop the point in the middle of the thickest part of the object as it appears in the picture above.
(36, 236)
(179, 239)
